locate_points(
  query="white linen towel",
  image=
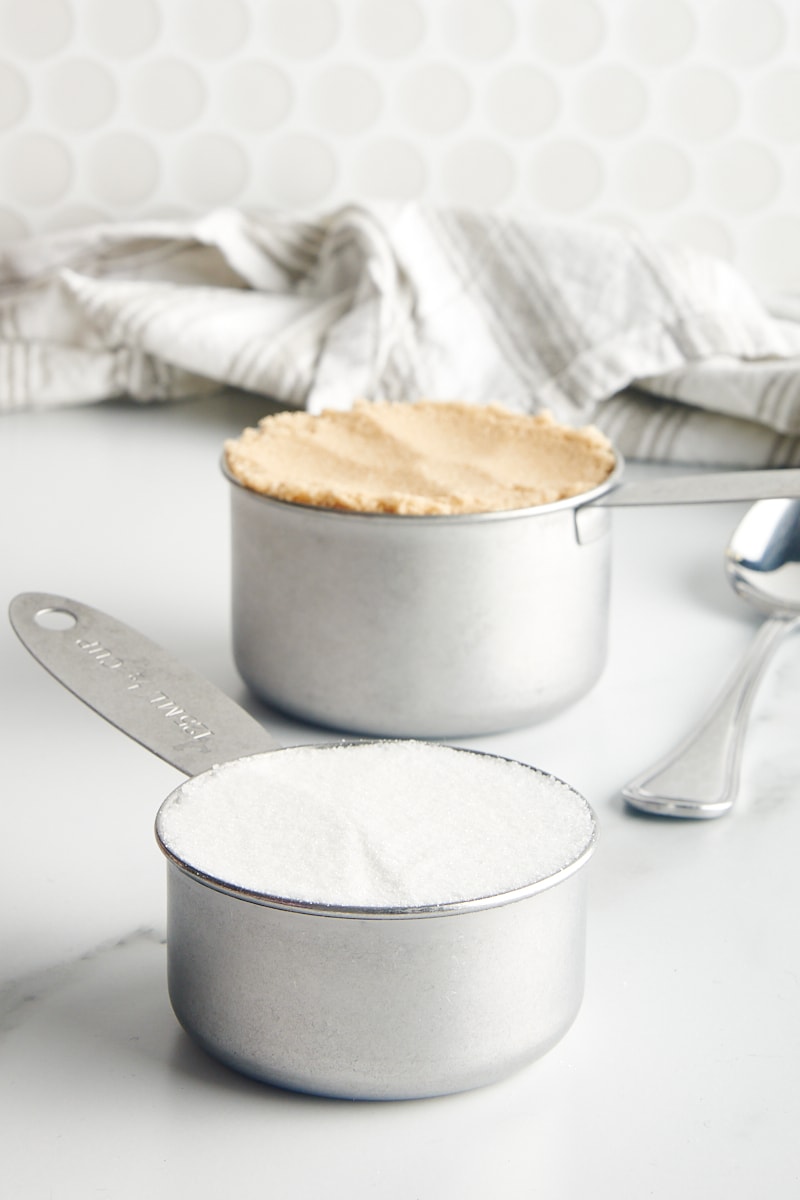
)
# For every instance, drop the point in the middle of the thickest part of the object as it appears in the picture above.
(666, 349)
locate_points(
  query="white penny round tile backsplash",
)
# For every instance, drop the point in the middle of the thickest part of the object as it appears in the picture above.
(679, 117)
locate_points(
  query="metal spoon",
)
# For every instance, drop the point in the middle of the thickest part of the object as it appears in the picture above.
(699, 778)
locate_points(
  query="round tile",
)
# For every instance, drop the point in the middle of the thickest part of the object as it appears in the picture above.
(478, 29)
(389, 169)
(658, 32)
(745, 32)
(74, 216)
(35, 29)
(35, 168)
(700, 103)
(565, 176)
(79, 93)
(345, 99)
(703, 232)
(618, 222)
(391, 29)
(12, 226)
(297, 170)
(566, 32)
(208, 29)
(14, 96)
(122, 169)
(770, 253)
(298, 28)
(741, 176)
(253, 94)
(477, 173)
(611, 101)
(522, 101)
(775, 99)
(654, 176)
(168, 212)
(434, 98)
(119, 28)
(166, 93)
(210, 169)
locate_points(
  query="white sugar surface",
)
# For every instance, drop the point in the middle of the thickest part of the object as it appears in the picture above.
(376, 824)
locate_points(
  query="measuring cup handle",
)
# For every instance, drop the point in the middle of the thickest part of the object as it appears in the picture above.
(135, 684)
(714, 487)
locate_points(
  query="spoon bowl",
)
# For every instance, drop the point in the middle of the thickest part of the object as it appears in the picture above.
(762, 561)
(699, 778)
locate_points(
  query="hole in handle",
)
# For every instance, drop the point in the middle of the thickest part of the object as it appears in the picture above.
(55, 619)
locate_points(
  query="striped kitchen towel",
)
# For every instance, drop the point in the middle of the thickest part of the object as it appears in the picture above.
(668, 350)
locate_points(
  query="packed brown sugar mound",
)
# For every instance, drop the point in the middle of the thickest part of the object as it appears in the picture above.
(426, 457)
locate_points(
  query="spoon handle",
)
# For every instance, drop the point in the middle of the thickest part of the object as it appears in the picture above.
(700, 776)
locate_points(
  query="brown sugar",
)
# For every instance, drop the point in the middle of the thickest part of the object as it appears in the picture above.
(427, 457)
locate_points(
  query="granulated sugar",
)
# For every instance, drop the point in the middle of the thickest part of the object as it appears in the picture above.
(376, 824)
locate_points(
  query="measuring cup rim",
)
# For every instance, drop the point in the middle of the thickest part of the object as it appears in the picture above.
(612, 481)
(382, 912)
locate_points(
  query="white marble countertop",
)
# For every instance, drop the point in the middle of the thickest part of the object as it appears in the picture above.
(681, 1075)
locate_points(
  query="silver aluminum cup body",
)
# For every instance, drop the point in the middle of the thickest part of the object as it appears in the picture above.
(381, 1006)
(430, 627)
